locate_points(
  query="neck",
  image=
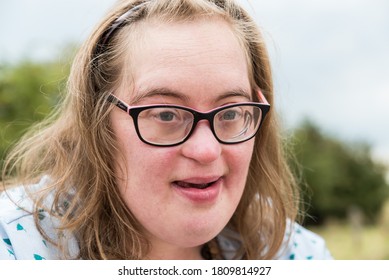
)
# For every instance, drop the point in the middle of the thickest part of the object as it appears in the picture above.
(169, 252)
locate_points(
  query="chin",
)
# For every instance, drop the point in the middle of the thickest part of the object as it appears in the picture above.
(199, 232)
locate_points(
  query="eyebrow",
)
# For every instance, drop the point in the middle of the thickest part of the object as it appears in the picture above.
(159, 92)
(166, 92)
(235, 93)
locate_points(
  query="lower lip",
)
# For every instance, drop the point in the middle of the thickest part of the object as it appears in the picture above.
(207, 195)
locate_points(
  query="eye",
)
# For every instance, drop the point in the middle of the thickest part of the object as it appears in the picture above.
(165, 116)
(231, 114)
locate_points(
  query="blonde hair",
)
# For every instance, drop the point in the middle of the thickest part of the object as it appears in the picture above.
(75, 146)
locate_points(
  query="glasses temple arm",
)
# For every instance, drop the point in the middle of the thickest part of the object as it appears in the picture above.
(120, 104)
(262, 97)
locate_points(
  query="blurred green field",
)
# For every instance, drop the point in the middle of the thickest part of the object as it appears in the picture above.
(353, 240)
(348, 243)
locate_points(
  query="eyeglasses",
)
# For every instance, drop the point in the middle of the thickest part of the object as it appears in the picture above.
(171, 125)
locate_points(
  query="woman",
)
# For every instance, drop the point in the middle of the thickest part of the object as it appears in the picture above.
(165, 147)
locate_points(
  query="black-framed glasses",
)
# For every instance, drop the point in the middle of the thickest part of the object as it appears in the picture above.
(171, 125)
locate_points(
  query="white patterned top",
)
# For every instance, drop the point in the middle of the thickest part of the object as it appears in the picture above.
(21, 240)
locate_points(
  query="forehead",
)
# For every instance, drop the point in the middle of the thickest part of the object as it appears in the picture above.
(203, 54)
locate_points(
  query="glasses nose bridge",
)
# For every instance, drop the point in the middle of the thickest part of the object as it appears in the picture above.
(199, 116)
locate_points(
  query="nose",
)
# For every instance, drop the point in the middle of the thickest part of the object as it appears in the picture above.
(202, 146)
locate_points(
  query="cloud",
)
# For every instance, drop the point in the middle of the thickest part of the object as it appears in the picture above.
(39, 29)
(331, 64)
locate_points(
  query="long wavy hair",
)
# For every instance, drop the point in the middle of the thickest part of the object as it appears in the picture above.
(75, 145)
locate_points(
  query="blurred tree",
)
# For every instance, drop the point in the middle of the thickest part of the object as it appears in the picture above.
(28, 92)
(338, 176)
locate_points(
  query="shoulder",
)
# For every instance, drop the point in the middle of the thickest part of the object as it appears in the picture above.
(299, 244)
(19, 236)
(303, 244)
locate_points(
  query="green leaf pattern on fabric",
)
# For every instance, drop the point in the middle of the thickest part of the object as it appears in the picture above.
(19, 227)
(38, 257)
(7, 241)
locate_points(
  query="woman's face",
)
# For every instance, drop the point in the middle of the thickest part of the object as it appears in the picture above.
(186, 194)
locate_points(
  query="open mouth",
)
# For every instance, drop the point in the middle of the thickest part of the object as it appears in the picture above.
(187, 185)
(200, 190)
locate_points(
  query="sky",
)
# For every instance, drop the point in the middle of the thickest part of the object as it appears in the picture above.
(330, 58)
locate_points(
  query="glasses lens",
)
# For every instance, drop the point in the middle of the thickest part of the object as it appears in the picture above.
(164, 125)
(238, 123)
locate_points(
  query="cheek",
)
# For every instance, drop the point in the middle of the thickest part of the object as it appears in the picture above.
(142, 165)
(239, 167)
(240, 158)
(143, 185)
(131, 155)
(142, 168)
